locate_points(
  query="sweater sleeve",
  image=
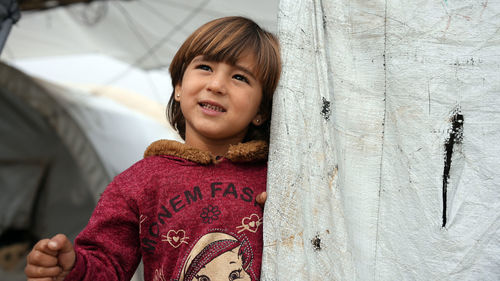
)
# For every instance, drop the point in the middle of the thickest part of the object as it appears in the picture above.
(109, 248)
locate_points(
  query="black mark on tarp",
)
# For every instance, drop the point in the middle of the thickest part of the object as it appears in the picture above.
(455, 137)
(467, 61)
(325, 109)
(316, 242)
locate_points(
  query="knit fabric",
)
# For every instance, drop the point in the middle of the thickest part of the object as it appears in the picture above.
(188, 214)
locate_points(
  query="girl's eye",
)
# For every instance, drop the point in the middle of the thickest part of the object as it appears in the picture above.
(204, 67)
(241, 78)
(202, 278)
(235, 274)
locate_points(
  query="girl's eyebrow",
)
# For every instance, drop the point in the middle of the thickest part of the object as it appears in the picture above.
(237, 66)
(246, 70)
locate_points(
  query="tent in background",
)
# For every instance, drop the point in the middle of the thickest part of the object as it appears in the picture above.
(143, 34)
(60, 147)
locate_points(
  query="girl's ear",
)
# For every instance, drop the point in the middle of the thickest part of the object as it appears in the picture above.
(178, 90)
(258, 120)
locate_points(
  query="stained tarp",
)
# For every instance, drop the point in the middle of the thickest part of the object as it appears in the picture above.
(384, 161)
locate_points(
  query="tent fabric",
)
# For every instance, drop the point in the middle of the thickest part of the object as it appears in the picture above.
(48, 168)
(52, 116)
(115, 123)
(144, 34)
(103, 75)
(384, 153)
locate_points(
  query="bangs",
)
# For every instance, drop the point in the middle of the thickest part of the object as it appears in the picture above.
(222, 42)
(225, 43)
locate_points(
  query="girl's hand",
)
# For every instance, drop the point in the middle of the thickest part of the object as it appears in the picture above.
(50, 259)
(261, 198)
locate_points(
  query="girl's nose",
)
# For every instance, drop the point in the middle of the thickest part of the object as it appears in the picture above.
(217, 84)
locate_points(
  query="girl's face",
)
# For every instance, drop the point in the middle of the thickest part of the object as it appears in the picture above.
(219, 101)
(226, 267)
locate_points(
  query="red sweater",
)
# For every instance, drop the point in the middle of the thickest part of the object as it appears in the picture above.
(190, 215)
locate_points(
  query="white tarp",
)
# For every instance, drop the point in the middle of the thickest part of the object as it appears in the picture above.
(385, 159)
(96, 72)
(144, 33)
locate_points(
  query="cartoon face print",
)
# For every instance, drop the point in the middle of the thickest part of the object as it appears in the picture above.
(228, 266)
(218, 256)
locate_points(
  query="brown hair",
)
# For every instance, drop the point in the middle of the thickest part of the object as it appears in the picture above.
(226, 40)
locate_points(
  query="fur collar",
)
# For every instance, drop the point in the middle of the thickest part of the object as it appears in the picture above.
(252, 151)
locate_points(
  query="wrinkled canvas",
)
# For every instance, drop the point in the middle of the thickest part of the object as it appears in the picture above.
(385, 155)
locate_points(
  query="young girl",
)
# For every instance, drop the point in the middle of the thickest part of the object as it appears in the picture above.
(189, 210)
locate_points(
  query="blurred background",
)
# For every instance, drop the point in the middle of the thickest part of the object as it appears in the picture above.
(83, 90)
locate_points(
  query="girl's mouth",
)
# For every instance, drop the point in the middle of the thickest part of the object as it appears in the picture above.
(212, 107)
